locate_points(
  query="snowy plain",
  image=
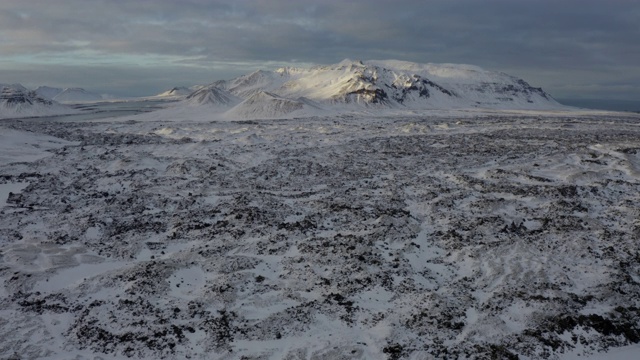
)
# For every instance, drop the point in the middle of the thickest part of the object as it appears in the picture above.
(443, 234)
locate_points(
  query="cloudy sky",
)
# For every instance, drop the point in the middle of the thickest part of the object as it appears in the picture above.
(572, 48)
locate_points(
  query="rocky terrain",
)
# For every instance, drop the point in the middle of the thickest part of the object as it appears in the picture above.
(469, 235)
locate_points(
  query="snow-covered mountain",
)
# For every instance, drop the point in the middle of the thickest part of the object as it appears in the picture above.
(48, 92)
(67, 95)
(396, 83)
(70, 95)
(377, 85)
(18, 101)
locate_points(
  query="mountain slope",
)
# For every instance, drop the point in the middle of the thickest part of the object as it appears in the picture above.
(212, 96)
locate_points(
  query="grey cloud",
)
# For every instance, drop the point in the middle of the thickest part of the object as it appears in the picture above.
(116, 80)
(569, 39)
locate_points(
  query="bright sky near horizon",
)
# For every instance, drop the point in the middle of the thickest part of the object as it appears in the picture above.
(571, 48)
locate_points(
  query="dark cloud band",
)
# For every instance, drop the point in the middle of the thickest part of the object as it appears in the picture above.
(572, 48)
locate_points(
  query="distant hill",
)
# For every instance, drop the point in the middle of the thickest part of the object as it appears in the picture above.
(67, 95)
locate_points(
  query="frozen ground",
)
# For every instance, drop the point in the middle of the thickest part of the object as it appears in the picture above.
(464, 235)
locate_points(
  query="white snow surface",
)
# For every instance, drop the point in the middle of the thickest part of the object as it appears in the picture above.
(10, 188)
(456, 234)
(24, 146)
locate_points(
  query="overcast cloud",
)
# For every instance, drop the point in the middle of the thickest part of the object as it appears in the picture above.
(572, 48)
